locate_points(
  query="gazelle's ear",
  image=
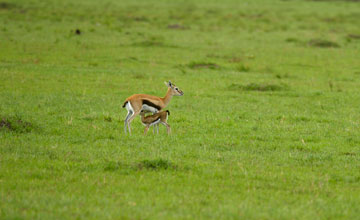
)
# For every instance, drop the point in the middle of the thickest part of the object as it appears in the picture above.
(169, 84)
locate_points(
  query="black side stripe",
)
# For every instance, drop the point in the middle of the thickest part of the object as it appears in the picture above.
(147, 102)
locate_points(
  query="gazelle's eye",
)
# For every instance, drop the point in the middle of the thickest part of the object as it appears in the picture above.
(176, 89)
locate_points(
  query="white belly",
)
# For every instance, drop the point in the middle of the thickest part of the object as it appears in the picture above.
(149, 108)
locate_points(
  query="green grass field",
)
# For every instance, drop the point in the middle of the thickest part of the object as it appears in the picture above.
(268, 127)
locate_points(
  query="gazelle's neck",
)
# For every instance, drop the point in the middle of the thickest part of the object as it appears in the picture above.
(167, 97)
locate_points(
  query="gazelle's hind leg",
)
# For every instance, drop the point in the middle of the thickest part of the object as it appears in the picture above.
(126, 120)
(130, 120)
(167, 127)
(132, 113)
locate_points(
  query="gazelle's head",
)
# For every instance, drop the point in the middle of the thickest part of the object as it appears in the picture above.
(175, 91)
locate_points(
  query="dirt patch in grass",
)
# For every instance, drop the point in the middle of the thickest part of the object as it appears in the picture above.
(323, 43)
(152, 43)
(4, 123)
(259, 87)
(353, 36)
(243, 68)
(203, 65)
(148, 44)
(156, 164)
(15, 124)
(107, 118)
(6, 5)
(140, 76)
(229, 58)
(353, 154)
(176, 27)
(301, 148)
(235, 59)
(114, 166)
(292, 40)
(140, 19)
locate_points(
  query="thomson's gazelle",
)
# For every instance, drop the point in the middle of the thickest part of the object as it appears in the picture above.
(160, 117)
(135, 103)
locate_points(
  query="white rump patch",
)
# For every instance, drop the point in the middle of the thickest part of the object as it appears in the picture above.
(129, 108)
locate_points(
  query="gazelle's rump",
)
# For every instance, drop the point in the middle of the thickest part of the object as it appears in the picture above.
(130, 110)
